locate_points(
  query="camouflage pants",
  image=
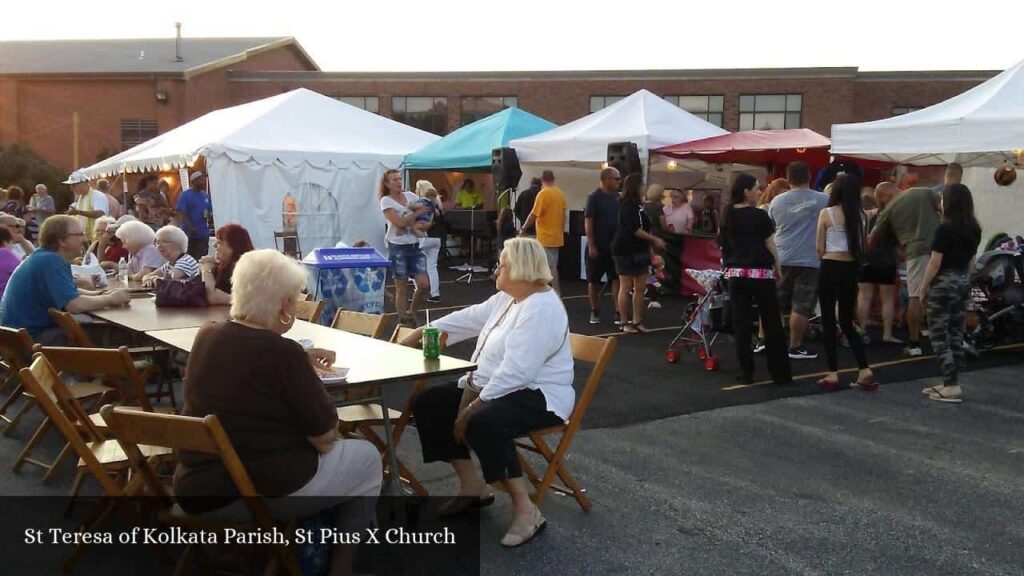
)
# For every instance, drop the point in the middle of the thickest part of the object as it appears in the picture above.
(947, 298)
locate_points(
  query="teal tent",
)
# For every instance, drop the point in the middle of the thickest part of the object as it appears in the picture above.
(470, 147)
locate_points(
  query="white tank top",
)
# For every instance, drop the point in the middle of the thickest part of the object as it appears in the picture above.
(835, 235)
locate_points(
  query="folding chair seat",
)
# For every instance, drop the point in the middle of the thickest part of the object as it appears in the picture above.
(591, 350)
(134, 428)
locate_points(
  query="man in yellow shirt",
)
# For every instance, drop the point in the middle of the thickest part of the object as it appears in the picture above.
(548, 216)
(468, 197)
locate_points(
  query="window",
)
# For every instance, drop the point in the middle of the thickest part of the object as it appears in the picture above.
(428, 113)
(770, 111)
(600, 102)
(476, 107)
(368, 103)
(901, 110)
(708, 108)
(135, 132)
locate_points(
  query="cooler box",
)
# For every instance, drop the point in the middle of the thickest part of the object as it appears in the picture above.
(347, 279)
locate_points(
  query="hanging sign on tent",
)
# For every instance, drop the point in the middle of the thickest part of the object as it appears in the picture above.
(183, 176)
(717, 176)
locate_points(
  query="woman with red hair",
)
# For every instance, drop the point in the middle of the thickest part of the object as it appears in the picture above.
(232, 241)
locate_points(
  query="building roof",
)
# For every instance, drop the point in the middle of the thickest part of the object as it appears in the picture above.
(612, 75)
(134, 56)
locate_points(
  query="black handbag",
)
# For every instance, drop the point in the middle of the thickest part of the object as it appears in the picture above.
(187, 293)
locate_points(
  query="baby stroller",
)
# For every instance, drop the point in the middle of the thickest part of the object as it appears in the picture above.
(997, 296)
(704, 319)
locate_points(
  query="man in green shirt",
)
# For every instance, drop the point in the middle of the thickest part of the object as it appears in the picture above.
(468, 196)
(911, 218)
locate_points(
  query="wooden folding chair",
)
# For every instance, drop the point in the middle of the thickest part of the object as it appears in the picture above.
(15, 352)
(363, 417)
(309, 310)
(361, 323)
(205, 435)
(592, 350)
(100, 458)
(142, 357)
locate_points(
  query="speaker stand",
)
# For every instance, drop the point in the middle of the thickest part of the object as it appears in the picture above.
(468, 276)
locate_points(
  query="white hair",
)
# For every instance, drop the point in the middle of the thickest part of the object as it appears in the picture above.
(135, 235)
(263, 281)
(422, 186)
(526, 260)
(106, 221)
(40, 187)
(174, 235)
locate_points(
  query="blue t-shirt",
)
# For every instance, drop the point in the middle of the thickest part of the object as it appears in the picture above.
(194, 205)
(795, 214)
(43, 281)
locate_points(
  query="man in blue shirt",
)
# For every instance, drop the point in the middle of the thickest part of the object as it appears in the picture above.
(43, 281)
(193, 209)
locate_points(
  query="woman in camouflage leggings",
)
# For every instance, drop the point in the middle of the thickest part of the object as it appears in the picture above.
(947, 284)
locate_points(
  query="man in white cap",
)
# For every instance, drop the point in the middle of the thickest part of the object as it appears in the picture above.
(89, 203)
(193, 211)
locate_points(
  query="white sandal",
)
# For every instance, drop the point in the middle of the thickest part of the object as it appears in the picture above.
(523, 529)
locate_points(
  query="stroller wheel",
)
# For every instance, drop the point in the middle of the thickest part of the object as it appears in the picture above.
(672, 356)
(702, 354)
(711, 364)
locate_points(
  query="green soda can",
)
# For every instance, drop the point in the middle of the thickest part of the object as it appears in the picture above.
(431, 343)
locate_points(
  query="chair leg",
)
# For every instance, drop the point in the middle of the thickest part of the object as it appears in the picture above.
(26, 452)
(13, 422)
(555, 466)
(56, 463)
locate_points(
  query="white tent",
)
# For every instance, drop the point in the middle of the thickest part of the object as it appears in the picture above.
(327, 154)
(580, 147)
(981, 127)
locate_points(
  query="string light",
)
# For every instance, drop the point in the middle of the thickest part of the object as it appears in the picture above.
(672, 165)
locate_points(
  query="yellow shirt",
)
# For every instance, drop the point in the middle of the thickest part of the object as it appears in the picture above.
(549, 213)
(466, 199)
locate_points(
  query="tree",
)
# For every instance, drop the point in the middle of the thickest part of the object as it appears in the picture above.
(21, 166)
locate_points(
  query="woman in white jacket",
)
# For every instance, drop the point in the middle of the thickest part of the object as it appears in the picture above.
(523, 382)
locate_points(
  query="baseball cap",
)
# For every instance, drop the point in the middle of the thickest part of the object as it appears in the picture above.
(77, 177)
(8, 220)
(195, 176)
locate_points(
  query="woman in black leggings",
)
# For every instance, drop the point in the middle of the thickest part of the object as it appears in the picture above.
(841, 230)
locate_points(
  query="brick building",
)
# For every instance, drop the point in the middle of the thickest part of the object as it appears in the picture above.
(75, 101)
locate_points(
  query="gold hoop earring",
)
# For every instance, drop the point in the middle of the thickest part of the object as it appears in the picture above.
(286, 322)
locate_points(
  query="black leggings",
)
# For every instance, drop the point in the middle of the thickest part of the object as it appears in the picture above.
(837, 282)
(490, 432)
(744, 293)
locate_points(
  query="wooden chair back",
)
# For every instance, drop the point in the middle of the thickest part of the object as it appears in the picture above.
(71, 328)
(591, 350)
(68, 416)
(361, 323)
(309, 310)
(205, 435)
(115, 368)
(403, 332)
(15, 348)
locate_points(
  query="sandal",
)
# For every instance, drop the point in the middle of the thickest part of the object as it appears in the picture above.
(943, 394)
(628, 328)
(829, 384)
(461, 505)
(869, 385)
(642, 329)
(523, 529)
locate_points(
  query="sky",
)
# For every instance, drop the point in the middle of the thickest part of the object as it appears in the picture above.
(442, 35)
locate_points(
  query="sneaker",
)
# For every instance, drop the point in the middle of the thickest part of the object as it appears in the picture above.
(653, 304)
(950, 394)
(434, 299)
(759, 347)
(594, 318)
(843, 341)
(892, 340)
(913, 351)
(801, 353)
(618, 320)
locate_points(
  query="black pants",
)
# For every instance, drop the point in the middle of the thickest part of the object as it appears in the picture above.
(837, 282)
(198, 247)
(490, 432)
(744, 293)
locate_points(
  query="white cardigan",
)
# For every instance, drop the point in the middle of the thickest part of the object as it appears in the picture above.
(529, 348)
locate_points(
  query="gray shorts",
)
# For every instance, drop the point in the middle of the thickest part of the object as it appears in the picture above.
(798, 290)
(552, 254)
(916, 268)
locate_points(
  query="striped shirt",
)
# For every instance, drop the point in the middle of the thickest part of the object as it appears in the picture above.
(185, 264)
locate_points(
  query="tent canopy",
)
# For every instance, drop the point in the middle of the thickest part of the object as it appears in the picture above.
(981, 127)
(470, 146)
(297, 127)
(644, 118)
(756, 148)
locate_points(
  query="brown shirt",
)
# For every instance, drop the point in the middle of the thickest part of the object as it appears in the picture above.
(268, 398)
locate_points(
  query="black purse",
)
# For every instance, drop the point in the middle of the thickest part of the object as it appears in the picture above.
(187, 293)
